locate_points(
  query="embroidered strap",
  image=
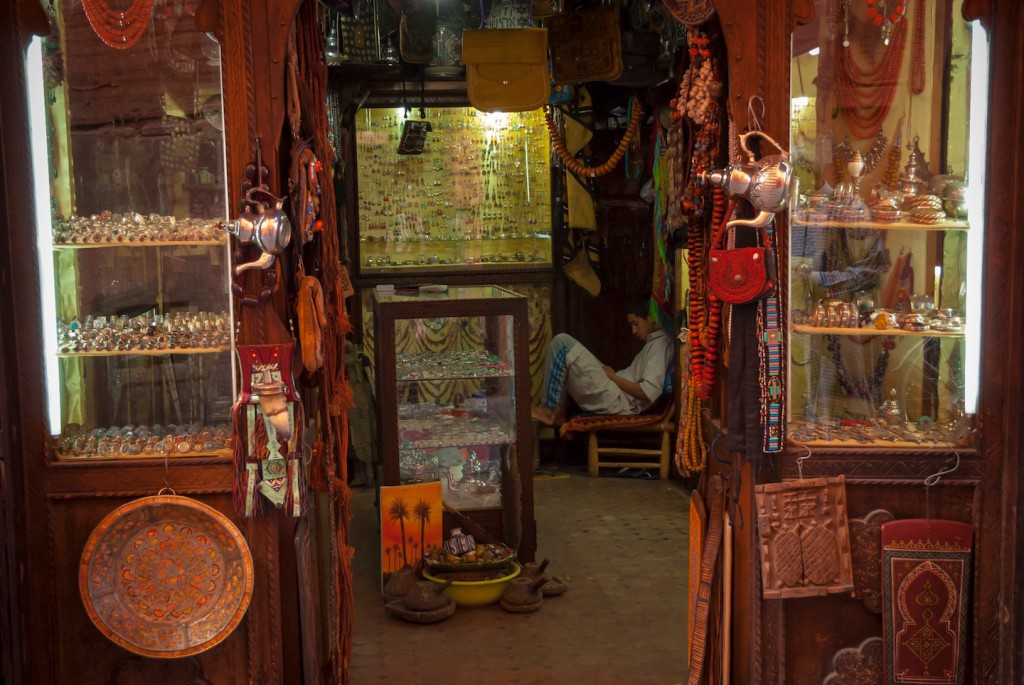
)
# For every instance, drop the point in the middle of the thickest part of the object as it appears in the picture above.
(707, 571)
(772, 370)
(250, 466)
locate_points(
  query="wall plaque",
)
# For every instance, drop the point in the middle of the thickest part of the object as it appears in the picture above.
(804, 539)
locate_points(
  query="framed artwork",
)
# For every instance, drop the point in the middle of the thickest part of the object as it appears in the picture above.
(410, 525)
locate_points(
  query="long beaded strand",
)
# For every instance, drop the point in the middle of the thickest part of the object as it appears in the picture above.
(713, 324)
(866, 94)
(580, 169)
(119, 30)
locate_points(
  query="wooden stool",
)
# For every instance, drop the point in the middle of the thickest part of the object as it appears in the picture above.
(639, 427)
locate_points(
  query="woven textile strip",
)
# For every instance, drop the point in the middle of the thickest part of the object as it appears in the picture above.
(772, 369)
(584, 423)
(926, 578)
(698, 522)
(556, 380)
(702, 609)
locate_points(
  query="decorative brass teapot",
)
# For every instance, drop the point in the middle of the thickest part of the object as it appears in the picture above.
(765, 182)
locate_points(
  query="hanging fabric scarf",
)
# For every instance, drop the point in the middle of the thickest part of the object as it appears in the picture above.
(267, 419)
(662, 287)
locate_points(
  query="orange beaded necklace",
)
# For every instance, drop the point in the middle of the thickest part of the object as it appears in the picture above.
(118, 29)
(866, 94)
(580, 169)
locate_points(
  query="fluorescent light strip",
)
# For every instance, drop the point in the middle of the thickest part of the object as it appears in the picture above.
(976, 165)
(44, 229)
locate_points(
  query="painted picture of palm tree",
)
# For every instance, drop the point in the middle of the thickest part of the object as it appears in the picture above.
(410, 524)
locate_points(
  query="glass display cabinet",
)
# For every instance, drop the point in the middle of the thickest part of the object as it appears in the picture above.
(134, 266)
(453, 390)
(476, 196)
(885, 243)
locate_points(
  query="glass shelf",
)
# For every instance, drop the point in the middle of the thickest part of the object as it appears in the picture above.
(826, 330)
(423, 366)
(886, 226)
(151, 353)
(453, 428)
(139, 243)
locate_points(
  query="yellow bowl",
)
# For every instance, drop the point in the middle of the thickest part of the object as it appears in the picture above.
(475, 593)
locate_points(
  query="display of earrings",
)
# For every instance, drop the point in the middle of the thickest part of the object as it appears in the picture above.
(478, 179)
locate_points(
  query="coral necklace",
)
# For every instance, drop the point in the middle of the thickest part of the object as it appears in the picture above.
(865, 95)
(118, 29)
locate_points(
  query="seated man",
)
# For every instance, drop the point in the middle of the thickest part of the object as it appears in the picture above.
(596, 388)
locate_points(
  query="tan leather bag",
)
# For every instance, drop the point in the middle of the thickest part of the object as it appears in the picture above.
(585, 45)
(506, 69)
(312, 318)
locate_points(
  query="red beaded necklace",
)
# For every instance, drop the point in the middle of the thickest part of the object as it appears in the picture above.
(118, 29)
(713, 320)
(876, 17)
(866, 94)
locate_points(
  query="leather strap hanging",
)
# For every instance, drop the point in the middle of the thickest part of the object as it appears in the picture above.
(702, 612)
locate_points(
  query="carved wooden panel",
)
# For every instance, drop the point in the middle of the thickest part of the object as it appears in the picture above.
(804, 538)
(866, 550)
(143, 671)
(860, 665)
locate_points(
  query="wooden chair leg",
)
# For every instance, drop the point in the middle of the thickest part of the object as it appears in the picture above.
(665, 455)
(592, 454)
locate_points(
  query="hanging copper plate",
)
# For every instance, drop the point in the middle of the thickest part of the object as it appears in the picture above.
(166, 576)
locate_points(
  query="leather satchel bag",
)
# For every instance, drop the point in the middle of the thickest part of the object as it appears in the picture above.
(640, 51)
(506, 69)
(416, 35)
(585, 46)
(743, 274)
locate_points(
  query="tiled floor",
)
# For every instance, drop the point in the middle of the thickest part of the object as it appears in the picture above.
(622, 542)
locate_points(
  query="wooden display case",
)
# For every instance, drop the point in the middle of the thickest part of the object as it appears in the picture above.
(453, 391)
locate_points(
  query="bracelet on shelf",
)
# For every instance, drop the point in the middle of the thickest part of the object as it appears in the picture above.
(132, 227)
(176, 330)
(144, 440)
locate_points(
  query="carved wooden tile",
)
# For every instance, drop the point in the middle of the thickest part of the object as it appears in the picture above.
(860, 665)
(143, 671)
(804, 539)
(866, 549)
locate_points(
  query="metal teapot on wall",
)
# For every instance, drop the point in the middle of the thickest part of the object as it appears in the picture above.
(268, 227)
(765, 182)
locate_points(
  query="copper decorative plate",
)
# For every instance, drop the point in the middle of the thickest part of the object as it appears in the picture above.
(166, 576)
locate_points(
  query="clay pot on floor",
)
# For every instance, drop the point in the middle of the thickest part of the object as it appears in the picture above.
(523, 595)
(401, 582)
(555, 585)
(425, 602)
(426, 596)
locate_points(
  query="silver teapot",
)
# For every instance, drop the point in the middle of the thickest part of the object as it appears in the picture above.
(765, 182)
(269, 228)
